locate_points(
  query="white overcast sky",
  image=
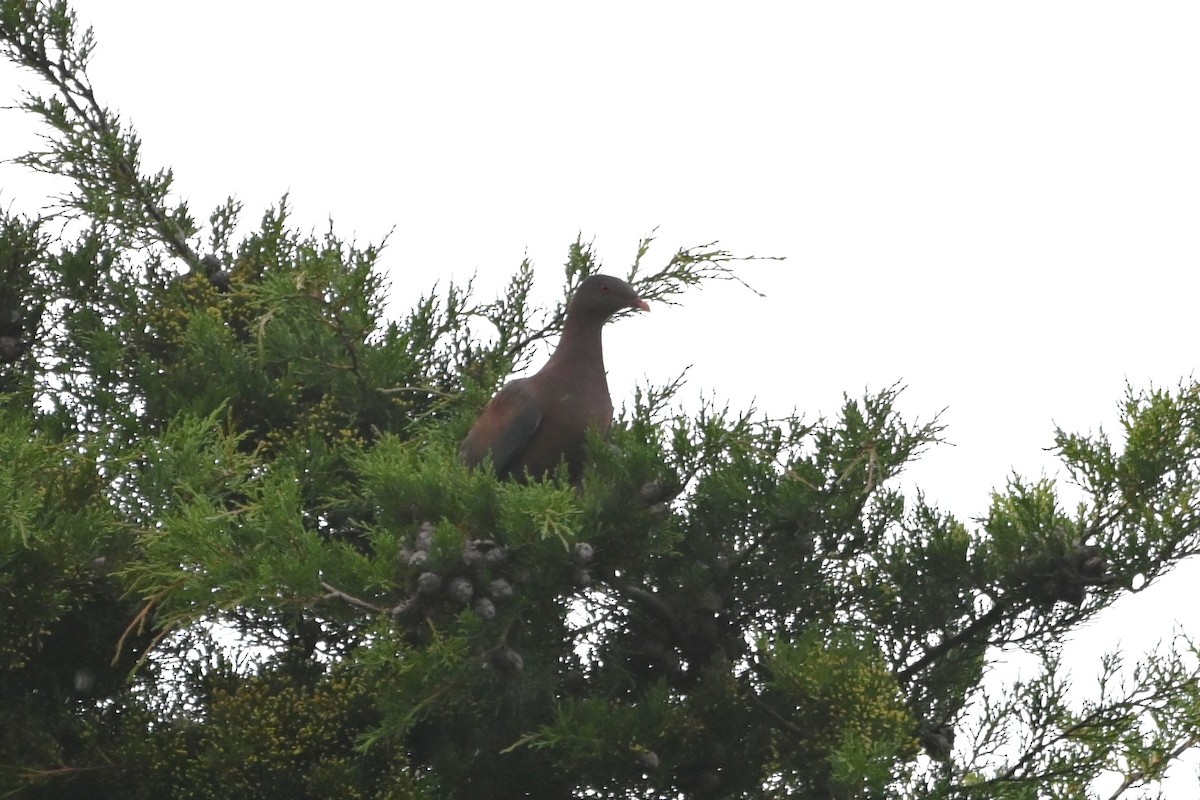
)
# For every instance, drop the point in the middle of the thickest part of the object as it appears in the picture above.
(996, 204)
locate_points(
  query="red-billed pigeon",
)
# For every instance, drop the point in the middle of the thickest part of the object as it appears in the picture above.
(535, 423)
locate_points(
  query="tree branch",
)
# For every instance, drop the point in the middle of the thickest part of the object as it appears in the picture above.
(1137, 776)
(89, 124)
(964, 636)
(332, 592)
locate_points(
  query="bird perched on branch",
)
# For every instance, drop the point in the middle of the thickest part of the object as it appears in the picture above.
(534, 423)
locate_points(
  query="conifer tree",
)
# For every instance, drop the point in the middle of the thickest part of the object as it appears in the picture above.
(239, 557)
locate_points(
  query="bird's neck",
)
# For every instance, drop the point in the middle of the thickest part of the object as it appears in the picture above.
(580, 347)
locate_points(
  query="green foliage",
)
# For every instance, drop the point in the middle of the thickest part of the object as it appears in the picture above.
(61, 610)
(270, 735)
(848, 706)
(239, 557)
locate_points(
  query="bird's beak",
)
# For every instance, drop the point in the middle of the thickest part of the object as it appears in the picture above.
(640, 305)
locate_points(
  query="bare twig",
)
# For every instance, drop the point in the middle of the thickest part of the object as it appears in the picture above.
(334, 593)
(418, 390)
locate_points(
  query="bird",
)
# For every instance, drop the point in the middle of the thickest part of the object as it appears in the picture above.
(533, 424)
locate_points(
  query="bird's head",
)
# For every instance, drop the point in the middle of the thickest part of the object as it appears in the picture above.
(602, 296)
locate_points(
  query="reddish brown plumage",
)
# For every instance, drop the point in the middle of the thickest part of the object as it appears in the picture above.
(534, 423)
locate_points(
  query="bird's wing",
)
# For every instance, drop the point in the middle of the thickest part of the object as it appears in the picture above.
(504, 428)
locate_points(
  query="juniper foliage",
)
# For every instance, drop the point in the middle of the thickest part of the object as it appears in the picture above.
(238, 557)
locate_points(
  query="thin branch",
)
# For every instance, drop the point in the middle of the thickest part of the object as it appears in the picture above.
(68, 75)
(1137, 776)
(782, 720)
(332, 593)
(652, 603)
(964, 636)
(418, 390)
